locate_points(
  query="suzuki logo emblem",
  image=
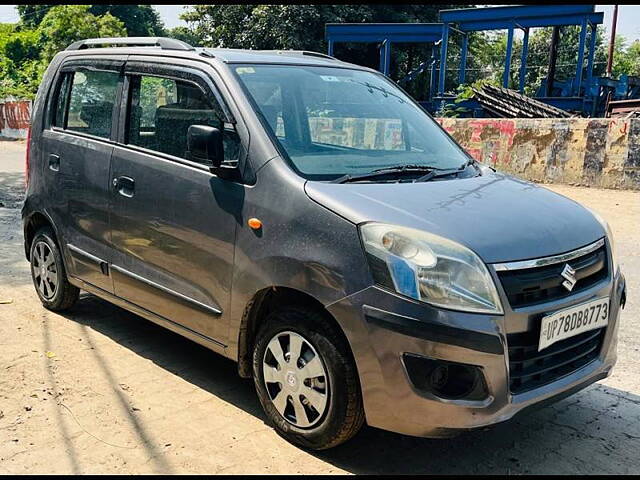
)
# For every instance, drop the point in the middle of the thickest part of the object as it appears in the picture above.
(569, 275)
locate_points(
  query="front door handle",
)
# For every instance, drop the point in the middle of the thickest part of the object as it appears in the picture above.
(54, 162)
(125, 186)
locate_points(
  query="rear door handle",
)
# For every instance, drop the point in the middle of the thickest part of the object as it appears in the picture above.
(54, 162)
(125, 186)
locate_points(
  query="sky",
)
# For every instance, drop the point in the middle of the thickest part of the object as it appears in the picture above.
(628, 18)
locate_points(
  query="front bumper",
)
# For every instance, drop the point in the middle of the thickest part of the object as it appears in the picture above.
(381, 326)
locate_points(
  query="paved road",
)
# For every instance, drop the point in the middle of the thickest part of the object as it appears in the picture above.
(100, 390)
(12, 156)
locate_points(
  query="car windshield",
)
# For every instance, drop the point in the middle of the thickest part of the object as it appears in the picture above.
(333, 122)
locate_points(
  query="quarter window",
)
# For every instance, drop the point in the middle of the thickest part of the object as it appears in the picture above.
(162, 110)
(61, 100)
(91, 102)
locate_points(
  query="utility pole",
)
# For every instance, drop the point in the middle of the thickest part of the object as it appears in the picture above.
(612, 42)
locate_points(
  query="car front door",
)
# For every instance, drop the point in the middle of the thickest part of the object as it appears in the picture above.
(77, 142)
(173, 221)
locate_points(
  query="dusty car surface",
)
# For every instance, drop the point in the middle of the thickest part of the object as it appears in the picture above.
(306, 218)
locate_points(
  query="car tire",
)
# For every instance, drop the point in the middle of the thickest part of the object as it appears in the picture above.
(48, 273)
(323, 375)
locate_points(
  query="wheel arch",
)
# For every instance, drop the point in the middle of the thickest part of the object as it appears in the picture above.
(34, 222)
(260, 306)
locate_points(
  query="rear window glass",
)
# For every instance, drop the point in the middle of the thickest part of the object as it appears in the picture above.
(93, 96)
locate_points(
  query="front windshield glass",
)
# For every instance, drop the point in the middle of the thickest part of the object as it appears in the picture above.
(335, 121)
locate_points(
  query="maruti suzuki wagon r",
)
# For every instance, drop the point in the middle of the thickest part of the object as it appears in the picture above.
(306, 218)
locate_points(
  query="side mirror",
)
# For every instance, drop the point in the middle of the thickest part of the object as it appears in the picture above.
(205, 145)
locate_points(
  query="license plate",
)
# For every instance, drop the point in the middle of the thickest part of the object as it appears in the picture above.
(573, 321)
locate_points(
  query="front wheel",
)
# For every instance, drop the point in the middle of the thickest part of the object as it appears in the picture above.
(306, 379)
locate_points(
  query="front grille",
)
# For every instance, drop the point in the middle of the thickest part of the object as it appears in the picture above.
(531, 286)
(529, 368)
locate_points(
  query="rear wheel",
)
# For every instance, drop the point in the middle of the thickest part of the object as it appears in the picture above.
(48, 272)
(306, 379)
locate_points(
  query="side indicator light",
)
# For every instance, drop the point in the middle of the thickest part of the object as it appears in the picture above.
(254, 223)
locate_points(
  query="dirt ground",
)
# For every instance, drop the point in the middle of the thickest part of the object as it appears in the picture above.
(100, 390)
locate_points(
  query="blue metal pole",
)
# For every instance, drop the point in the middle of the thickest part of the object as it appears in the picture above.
(592, 51)
(507, 63)
(443, 58)
(523, 59)
(330, 50)
(583, 37)
(463, 58)
(433, 82)
(387, 57)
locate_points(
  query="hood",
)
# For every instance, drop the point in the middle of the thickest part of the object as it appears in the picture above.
(499, 217)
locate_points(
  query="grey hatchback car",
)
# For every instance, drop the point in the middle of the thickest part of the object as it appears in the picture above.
(306, 218)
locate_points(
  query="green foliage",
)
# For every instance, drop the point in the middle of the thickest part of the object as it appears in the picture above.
(626, 60)
(185, 34)
(65, 24)
(138, 20)
(31, 15)
(22, 45)
(26, 52)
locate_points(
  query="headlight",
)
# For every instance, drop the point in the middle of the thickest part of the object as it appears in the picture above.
(607, 228)
(429, 268)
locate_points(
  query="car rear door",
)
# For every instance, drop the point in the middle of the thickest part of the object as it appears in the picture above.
(173, 222)
(77, 143)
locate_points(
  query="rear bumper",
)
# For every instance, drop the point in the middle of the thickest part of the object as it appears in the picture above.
(382, 326)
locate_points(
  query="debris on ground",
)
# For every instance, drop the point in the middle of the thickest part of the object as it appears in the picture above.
(624, 109)
(506, 103)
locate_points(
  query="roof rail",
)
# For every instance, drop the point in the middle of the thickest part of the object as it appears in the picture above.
(163, 42)
(316, 54)
(306, 53)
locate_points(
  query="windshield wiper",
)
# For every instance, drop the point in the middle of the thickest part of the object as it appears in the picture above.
(435, 174)
(444, 173)
(381, 172)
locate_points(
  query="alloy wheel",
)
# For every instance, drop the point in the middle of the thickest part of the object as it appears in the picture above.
(45, 272)
(296, 379)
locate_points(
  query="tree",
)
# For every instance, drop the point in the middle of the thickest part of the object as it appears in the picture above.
(31, 15)
(20, 66)
(139, 20)
(626, 60)
(65, 24)
(185, 34)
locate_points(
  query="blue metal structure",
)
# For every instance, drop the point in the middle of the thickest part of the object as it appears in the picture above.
(583, 92)
(522, 17)
(383, 33)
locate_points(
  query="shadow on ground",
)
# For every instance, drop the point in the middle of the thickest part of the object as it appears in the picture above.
(594, 431)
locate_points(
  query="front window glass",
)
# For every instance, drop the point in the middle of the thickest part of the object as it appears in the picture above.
(163, 109)
(334, 121)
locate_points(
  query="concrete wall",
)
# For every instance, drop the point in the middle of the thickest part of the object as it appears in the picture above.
(599, 152)
(14, 118)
